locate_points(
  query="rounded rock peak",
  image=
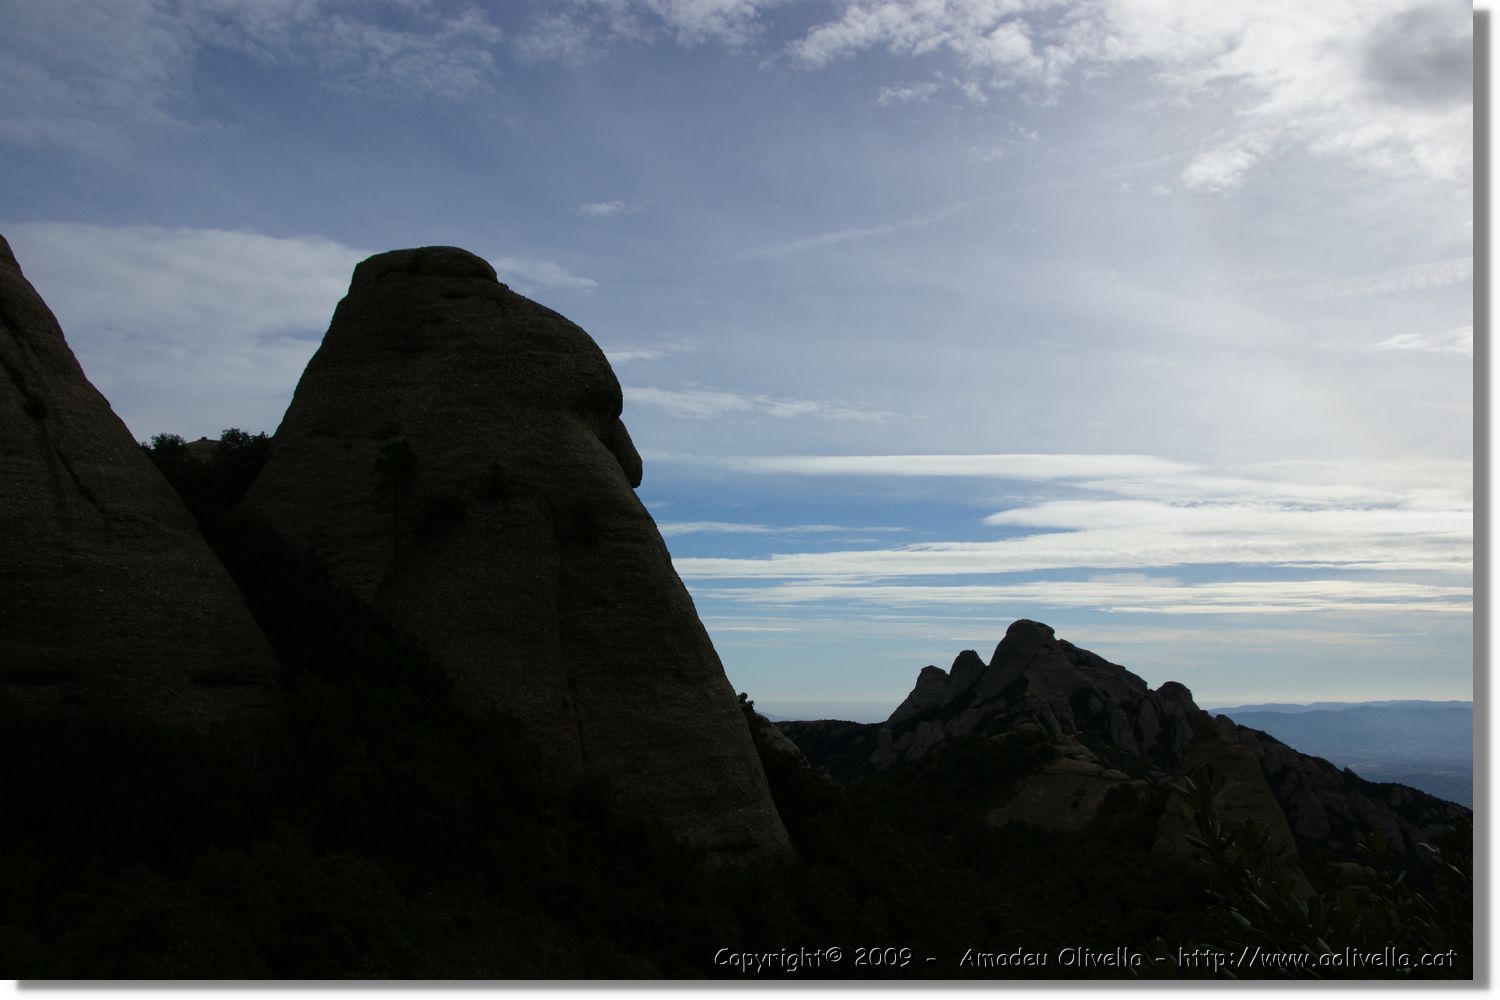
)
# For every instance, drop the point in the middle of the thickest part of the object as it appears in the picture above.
(1172, 691)
(1023, 641)
(427, 262)
(1030, 629)
(968, 659)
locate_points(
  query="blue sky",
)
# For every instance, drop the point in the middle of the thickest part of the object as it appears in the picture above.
(1150, 320)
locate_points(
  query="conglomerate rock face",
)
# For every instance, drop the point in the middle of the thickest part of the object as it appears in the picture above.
(454, 455)
(109, 597)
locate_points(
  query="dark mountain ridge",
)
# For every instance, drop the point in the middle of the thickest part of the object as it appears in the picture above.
(1110, 728)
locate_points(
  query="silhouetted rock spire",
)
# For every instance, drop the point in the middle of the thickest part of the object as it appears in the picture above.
(454, 455)
(109, 596)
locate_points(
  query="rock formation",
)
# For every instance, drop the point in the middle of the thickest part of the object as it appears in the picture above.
(1337, 808)
(1066, 792)
(1245, 794)
(454, 456)
(109, 597)
(1108, 729)
(1036, 679)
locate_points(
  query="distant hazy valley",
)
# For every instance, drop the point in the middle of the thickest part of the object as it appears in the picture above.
(1424, 744)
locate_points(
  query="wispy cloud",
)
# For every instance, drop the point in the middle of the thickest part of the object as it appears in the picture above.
(563, 36)
(606, 209)
(987, 38)
(1392, 536)
(670, 528)
(81, 74)
(918, 93)
(867, 232)
(1412, 278)
(542, 273)
(1459, 341)
(228, 315)
(575, 31)
(1141, 595)
(691, 22)
(88, 73)
(709, 404)
(1390, 541)
(1417, 481)
(232, 285)
(358, 46)
(653, 352)
(998, 466)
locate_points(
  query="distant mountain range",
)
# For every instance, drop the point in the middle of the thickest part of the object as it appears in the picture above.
(1425, 744)
(1337, 706)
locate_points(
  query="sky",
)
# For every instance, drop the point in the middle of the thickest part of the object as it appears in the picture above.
(1148, 319)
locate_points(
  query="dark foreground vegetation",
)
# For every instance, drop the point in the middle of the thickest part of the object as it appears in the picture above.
(372, 830)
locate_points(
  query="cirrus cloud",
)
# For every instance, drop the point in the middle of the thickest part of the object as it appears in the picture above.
(711, 404)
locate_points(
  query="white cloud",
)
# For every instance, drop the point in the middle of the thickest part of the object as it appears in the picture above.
(919, 93)
(1406, 529)
(227, 285)
(1414, 481)
(561, 36)
(1459, 341)
(1220, 169)
(1146, 531)
(985, 35)
(1335, 77)
(733, 22)
(709, 404)
(605, 209)
(973, 91)
(1412, 543)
